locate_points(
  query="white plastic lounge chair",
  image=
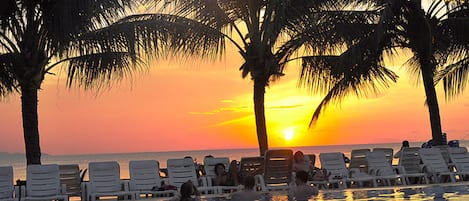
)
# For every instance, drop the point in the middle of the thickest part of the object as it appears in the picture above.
(145, 179)
(181, 170)
(339, 174)
(277, 170)
(379, 166)
(43, 183)
(6, 183)
(105, 181)
(358, 159)
(210, 162)
(209, 168)
(460, 161)
(70, 177)
(434, 165)
(388, 152)
(251, 166)
(409, 163)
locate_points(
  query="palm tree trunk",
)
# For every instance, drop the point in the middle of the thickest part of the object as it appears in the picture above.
(432, 102)
(259, 113)
(30, 123)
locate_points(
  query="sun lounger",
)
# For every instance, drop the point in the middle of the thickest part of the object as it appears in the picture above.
(277, 170)
(409, 161)
(388, 152)
(6, 183)
(339, 174)
(435, 165)
(145, 179)
(379, 166)
(460, 161)
(105, 181)
(43, 183)
(70, 177)
(251, 166)
(358, 159)
(181, 170)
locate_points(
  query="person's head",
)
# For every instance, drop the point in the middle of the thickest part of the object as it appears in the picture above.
(219, 168)
(405, 143)
(301, 177)
(299, 157)
(233, 165)
(187, 189)
(249, 182)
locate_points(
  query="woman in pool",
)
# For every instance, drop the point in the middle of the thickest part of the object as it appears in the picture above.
(248, 193)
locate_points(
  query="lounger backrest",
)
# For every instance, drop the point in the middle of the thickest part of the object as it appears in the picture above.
(410, 159)
(388, 152)
(278, 166)
(70, 177)
(210, 162)
(334, 164)
(377, 161)
(181, 171)
(358, 159)
(251, 165)
(432, 158)
(144, 175)
(104, 176)
(43, 180)
(460, 158)
(6, 182)
(444, 152)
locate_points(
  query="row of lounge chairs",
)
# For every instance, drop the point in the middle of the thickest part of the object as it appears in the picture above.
(372, 168)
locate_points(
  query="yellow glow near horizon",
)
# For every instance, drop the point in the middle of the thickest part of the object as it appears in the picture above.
(289, 133)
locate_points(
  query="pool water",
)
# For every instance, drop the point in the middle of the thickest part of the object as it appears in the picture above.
(438, 192)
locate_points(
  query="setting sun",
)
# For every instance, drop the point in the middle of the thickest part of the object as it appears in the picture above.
(288, 133)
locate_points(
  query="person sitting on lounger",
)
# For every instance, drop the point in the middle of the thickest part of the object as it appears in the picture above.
(302, 191)
(299, 163)
(222, 177)
(405, 144)
(248, 193)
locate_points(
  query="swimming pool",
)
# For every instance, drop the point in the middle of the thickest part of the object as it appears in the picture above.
(439, 192)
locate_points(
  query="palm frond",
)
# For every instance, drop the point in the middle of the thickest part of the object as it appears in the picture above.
(154, 33)
(455, 74)
(8, 82)
(63, 20)
(100, 69)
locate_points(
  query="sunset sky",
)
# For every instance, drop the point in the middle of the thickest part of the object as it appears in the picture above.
(207, 105)
(199, 104)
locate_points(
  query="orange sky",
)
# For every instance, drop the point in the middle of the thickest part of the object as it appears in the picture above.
(207, 105)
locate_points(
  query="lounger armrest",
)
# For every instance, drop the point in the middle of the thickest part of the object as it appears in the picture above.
(260, 182)
(352, 172)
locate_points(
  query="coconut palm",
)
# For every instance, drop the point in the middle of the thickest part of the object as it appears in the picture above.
(438, 39)
(94, 41)
(267, 34)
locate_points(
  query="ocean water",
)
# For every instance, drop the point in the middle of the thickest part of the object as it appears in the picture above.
(18, 161)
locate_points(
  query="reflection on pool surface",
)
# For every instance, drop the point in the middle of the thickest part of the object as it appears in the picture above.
(440, 192)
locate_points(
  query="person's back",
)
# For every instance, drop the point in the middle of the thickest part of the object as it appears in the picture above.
(302, 191)
(248, 193)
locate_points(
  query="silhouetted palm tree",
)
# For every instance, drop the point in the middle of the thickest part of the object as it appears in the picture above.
(94, 40)
(267, 33)
(437, 37)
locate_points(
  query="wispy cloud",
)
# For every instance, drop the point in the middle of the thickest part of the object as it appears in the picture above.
(285, 106)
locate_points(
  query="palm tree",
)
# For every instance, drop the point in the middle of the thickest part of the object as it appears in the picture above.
(96, 42)
(437, 38)
(266, 33)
